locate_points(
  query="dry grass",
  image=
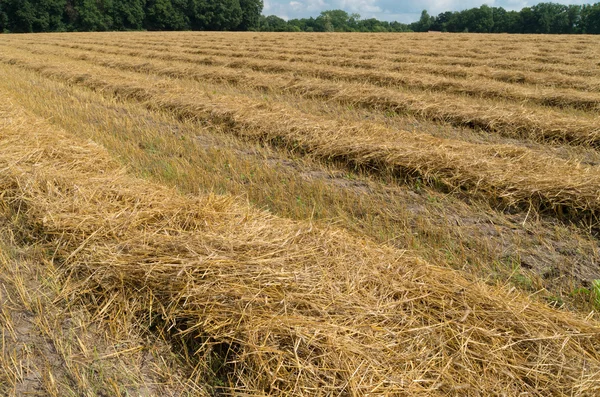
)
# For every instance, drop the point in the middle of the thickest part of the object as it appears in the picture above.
(287, 308)
(473, 237)
(505, 118)
(50, 346)
(177, 291)
(328, 68)
(511, 176)
(378, 51)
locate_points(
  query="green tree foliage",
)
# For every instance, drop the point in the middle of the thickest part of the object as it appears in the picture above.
(25, 16)
(590, 19)
(550, 18)
(424, 23)
(93, 15)
(273, 23)
(541, 18)
(101, 15)
(546, 18)
(221, 15)
(330, 21)
(251, 10)
(336, 21)
(166, 15)
(506, 21)
(128, 15)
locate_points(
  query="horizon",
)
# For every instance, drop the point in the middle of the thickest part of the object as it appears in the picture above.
(387, 10)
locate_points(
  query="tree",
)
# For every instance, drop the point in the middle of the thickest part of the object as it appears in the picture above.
(480, 20)
(574, 17)
(48, 15)
(398, 27)
(251, 10)
(128, 15)
(93, 15)
(590, 19)
(273, 23)
(20, 15)
(506, 21)
(371, 25)
(424, 23)
(26, 16)
(3, 21)
(339, 20)
(166, 15)
(324, 23)
(457, 22)
(550, 18)
(215, 14)
(304, 24)
(440, 23)
(227, 15)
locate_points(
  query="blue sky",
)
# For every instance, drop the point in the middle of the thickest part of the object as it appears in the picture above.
(390, 10)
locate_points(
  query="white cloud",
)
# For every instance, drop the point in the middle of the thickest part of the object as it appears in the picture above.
(296, 6)
(358, 6)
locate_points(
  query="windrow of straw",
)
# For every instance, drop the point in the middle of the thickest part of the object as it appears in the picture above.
(581, 53)
(503, 64)
(282, 308)
(511, 120)
(384, 61)
(499, 173)
(381, 57)
(476, 87)
(382, 64)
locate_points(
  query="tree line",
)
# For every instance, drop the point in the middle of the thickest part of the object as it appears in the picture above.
(21, 16)
(549, 18)
(26, 16)
(330, 21)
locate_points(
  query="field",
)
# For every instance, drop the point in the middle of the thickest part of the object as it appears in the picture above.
(299, 214)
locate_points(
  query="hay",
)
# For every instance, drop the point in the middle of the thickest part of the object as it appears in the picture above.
(325, 67)
(507, 119)
(289, 308)
(422, 55)
(502, 174)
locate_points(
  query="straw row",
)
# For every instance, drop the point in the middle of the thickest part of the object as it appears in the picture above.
(385, 58)
(511, 120)
(506, 174)
(414, 78)
(287, 308)
(348, 59)
(383, 48)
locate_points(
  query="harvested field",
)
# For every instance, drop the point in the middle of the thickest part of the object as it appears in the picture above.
(294, 214)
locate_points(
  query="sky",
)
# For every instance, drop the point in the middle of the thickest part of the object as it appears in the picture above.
(390, 10)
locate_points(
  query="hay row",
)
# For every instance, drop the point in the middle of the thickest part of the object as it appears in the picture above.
(397, 56)
(510, 120)
(528, 78)
(502, 174)
(475, 86)
(383, 49)
(287, 308)
(584, 49)
(518, 45)
(380, 61)
(389, 60)
(384, 54)
(412, 76)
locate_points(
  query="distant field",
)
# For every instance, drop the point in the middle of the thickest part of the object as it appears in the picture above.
(301, 214)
